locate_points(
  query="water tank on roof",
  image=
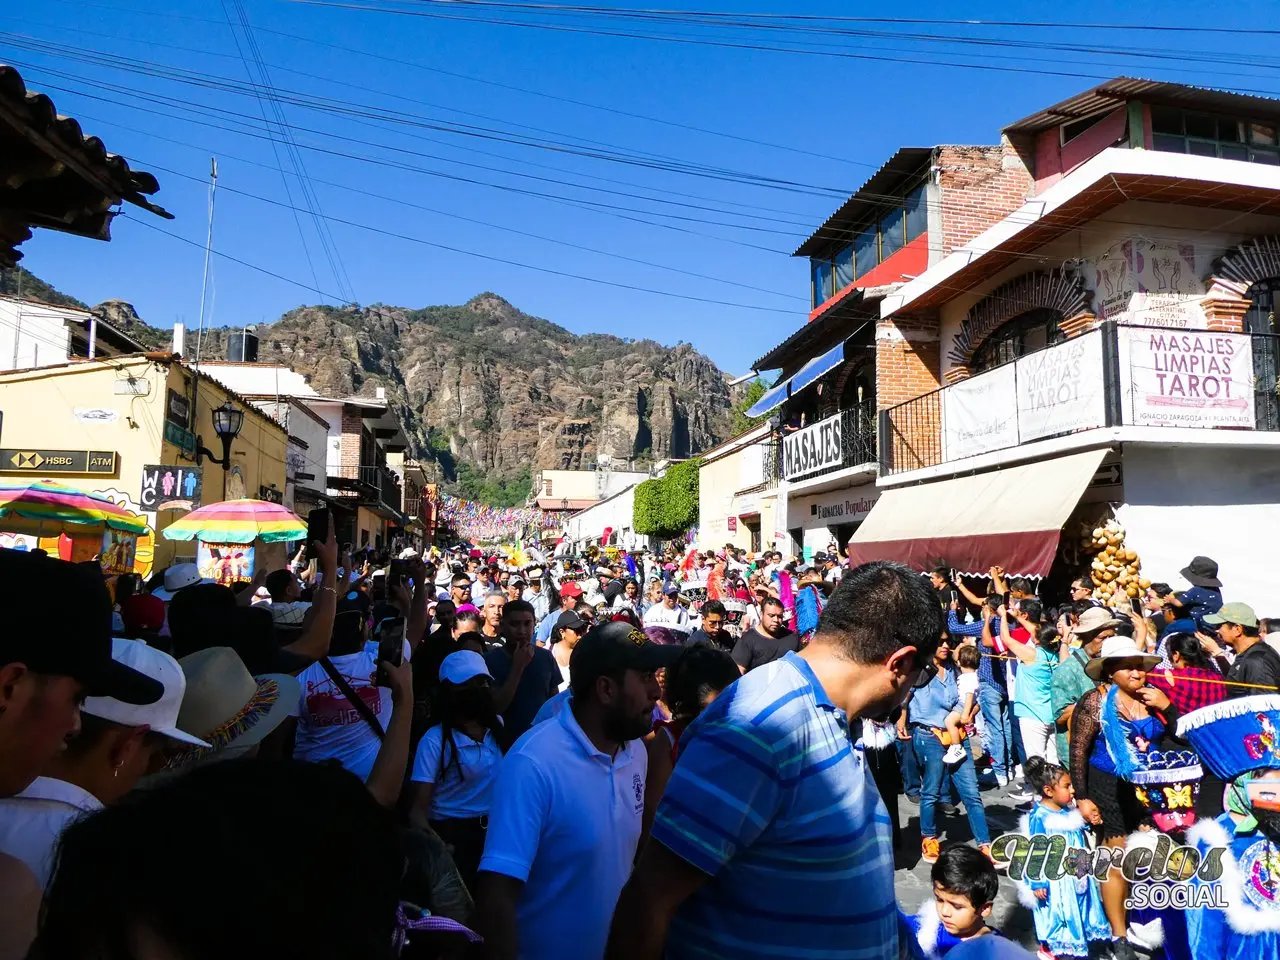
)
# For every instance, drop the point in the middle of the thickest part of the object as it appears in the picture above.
(243, 346)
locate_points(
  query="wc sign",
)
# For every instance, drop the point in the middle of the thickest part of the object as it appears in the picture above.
(814, 448)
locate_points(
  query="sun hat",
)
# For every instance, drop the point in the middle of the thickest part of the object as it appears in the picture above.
(161, 716)
(1095, 619)
(1118, 648)
(461, 666)
(1241, 614)
(1202, 572)
(178, 577)
(228, 707)
(408, 553)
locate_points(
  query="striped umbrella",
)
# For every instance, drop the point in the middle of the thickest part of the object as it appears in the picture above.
(238, 521)
(44, 508)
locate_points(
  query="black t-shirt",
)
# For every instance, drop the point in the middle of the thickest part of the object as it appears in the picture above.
(755, 648)
(725, 641)
(1259, 664)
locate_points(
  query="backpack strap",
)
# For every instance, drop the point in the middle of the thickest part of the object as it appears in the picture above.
(345, 689)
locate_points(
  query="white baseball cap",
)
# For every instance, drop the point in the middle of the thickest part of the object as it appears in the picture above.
(177, 577)
(408, 553)
(161, 716)
(462, 666)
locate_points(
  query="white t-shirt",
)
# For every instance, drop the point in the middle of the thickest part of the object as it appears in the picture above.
(660, 615)
(967, 683)
(330, 728)
(457, 797)
(32, 822)
(565, 820)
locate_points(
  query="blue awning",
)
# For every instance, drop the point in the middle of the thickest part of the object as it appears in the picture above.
(806, 375)
(816, 367)
(773, 397)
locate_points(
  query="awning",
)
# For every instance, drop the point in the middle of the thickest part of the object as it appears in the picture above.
(1011, 517)
(811, 371)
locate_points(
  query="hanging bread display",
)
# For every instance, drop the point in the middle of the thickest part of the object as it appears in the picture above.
(1115, 570)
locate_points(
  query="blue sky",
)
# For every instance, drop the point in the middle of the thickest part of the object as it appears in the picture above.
(853, 112)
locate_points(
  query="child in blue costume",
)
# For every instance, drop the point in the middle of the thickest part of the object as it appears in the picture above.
(1068, 911)
(964, 889)
(1238, 740)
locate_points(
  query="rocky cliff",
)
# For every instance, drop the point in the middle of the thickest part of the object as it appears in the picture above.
(488, 386)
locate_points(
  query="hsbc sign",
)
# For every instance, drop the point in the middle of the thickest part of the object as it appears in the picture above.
(814, 448)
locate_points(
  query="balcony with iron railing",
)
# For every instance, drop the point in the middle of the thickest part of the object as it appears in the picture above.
(374, 485)
(1117, 375)
(845, 439)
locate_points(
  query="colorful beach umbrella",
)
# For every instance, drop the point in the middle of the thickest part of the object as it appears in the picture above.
(238, 521)
(44, 508)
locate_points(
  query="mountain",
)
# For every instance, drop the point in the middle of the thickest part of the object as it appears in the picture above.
(485, 391)
(485, 388)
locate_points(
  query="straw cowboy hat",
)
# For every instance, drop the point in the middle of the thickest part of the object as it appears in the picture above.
(1117, 648)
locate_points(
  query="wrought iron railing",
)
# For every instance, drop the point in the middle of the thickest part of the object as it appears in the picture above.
(858, 442)
(370, 483)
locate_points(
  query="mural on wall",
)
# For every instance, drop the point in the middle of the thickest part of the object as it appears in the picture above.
(1148, 282)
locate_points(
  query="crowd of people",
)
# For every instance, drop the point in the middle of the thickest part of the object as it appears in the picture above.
(622, 755)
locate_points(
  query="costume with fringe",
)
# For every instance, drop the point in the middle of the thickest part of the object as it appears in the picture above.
(1072, 916)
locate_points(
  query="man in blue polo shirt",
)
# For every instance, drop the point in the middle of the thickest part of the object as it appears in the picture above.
(567, 806)
(771, 839)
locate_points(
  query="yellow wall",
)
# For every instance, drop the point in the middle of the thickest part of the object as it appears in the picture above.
(40, 411)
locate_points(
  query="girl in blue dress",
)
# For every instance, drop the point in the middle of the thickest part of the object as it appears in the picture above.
(1068, 911)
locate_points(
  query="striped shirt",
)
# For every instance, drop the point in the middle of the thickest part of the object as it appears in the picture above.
(772, 801)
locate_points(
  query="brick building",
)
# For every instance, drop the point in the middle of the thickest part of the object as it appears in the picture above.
(1016, 340)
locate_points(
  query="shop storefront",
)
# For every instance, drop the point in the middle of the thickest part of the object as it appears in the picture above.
(816, 521)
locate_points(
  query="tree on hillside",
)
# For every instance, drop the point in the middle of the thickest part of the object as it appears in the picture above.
(741, 422)
(22, 282)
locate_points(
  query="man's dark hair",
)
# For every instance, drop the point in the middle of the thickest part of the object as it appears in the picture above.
(879, 608)
(943, 573)
(460, 580)
(966, 872)
(1161, 589)
(518, 606)
(699, 671)
(469, 616)
(1032, 609)
(200, 616)
(277, 583)
(117, 873)
(771, 601)
(713, 606)
(1021, 585)
(448, 606)
(1249, 631)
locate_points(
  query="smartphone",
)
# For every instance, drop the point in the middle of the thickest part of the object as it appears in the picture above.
(318, 525)
(397, 573)
(1136, 604)
(1006, 599)
(390, 647)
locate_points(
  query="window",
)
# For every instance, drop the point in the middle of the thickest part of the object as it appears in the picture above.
(866, 249)
(844, 267)
(1205, 135)
(821, 281)
(1032, 331)
(917, 214)
(873, 245)
(1076, 127)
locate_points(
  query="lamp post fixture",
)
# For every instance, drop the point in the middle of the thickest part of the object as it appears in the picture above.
(227, 421)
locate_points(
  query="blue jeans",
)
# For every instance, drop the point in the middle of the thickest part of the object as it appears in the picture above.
(964, 778)
(910, 769)
(997, 728)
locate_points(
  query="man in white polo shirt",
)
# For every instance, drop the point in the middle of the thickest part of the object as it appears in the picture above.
(567, 806)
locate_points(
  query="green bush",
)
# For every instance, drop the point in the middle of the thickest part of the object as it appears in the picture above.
(667, 506)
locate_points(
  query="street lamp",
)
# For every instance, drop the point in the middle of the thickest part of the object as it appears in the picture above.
(227, 421)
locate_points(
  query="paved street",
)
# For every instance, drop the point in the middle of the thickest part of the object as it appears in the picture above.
(912, 877)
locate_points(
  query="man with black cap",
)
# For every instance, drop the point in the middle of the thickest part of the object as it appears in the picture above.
(1205, 595)
(55, 649)
(564, 823)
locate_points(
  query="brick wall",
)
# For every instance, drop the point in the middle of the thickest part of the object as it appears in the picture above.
(352, 424)
(980, 186)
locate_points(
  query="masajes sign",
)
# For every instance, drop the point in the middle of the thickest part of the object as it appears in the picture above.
(813, 448)
(1061, 389)
(1189, 378)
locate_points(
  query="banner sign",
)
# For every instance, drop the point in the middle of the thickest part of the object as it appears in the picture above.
(1060, 389)
(980, 414)
(119, 550)
(812, 449)
(225, 563)
(1189, 378)
(30, 460)
(170, 488)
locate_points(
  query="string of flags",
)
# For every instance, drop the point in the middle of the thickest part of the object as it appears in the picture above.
(483, 522)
